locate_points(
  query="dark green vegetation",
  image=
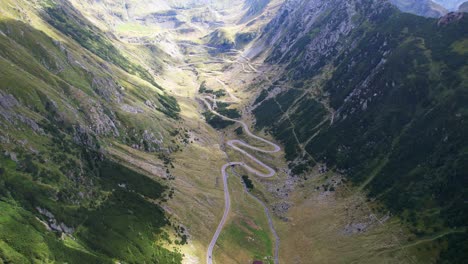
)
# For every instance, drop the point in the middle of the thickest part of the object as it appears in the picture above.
(222, 108)
(221, 40)
(125, 227)
(400, 130)
(244, 38)
(170, 107)
(231, 113)
(24, 239)
(205, 90)
(247, 182)
(216, 121)
(113, 217)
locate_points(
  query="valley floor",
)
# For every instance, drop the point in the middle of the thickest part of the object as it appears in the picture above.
(314, 218)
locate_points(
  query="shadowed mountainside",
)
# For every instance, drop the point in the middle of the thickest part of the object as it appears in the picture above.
(380, 96)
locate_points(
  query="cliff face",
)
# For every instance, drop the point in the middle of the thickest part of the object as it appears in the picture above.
(379, 95)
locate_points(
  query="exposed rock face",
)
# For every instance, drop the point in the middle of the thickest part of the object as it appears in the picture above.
(304, 33)
(107, 88)
(147, 141)
(84, 137)
(8, 101)
(8, 105)
(450, 18)
(131, 109)
(53, 224)
(101, 120)
(102, 124)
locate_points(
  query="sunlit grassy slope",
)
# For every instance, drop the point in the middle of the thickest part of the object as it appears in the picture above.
(66, 92)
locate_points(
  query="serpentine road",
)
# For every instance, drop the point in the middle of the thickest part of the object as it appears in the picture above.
(227, 199)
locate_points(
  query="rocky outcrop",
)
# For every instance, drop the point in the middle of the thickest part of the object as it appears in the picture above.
(53, 224)
(308, 33)
(101, 120)
(107, 88)
(8, 110)
(146, 141)
(131, 109)
(451, 17)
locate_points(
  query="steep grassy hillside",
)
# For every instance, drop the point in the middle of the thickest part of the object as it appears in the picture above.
(67, 96)
(381, 97)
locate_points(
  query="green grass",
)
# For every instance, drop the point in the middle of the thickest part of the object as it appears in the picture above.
(256, 240)
(461, 46)
(23, 239)
(133, 27)
(68, 20)
(119, 223)
(112, 174)
(63, 169)
(128, 227)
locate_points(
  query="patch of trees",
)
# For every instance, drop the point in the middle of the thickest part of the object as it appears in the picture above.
(247, 182)
(205, 90)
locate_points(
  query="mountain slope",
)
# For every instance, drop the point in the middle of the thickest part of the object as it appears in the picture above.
(464, 7)
(380, 96)
(68, 95)
(426, 8)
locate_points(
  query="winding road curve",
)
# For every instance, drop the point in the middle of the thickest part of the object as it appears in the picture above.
(227, 199)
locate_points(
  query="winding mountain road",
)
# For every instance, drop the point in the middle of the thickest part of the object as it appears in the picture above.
(235, 144)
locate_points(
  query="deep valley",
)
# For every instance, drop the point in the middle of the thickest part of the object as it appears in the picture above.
(245, 131)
